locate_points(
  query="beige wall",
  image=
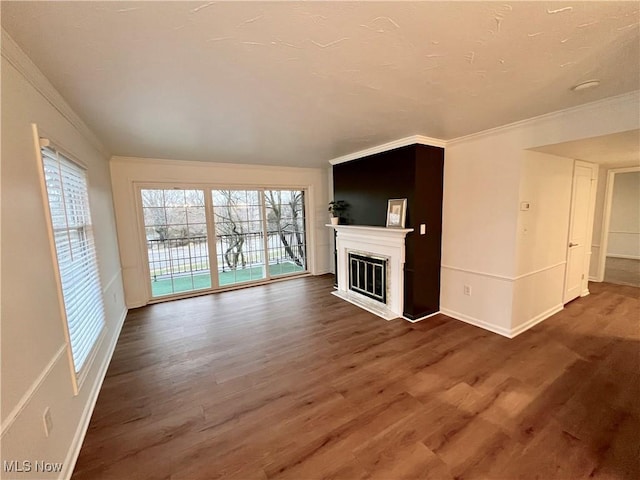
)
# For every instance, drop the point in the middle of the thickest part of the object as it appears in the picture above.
(545, 183)
(514, 282)
(126, 173)
(36, 373)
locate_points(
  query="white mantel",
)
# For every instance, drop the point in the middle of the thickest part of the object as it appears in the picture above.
(380, 242)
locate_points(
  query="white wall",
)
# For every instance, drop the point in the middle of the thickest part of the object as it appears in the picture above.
(545, 183)
(624, 225)
(36, 372)
(127, 172)
(486, 177)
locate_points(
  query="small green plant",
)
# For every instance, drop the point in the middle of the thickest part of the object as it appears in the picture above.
(336, 207)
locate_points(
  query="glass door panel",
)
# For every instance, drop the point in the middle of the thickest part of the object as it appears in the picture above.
(286, 236)
(239, 239)
(177, 246)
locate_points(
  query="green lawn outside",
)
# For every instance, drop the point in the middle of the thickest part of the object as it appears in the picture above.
(201, 281)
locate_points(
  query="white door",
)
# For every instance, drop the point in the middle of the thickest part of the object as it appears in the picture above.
(580, 226)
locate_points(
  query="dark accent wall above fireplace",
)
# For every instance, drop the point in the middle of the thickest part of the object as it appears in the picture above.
(414, 172)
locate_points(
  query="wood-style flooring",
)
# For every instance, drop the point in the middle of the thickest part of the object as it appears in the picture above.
(287, 381)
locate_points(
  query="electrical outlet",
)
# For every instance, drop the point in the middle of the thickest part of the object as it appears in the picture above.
(48, 422)
(467, 289)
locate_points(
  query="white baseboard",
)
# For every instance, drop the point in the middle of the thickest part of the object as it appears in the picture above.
(628, 257)
(476, 322)
(594, 279)
(585, 292)
(535, 320)
(83, 425)
(509, 333)
(416, 320)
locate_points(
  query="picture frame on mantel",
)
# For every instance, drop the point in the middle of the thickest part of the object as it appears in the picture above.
(396, 212)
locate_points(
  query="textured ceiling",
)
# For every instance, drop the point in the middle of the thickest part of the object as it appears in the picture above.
(619, 149)
(290, 83)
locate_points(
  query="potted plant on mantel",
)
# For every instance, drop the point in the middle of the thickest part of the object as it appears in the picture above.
(336, 207)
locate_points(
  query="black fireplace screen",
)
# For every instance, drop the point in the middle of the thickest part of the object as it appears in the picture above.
(368, 276)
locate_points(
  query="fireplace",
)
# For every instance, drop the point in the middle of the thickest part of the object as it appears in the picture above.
(368, 276)
(370, 268)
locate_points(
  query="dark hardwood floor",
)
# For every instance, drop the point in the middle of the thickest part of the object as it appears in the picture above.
(288, 381)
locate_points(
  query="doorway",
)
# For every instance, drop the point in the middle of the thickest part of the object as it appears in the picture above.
(580, 228)
(620, 256)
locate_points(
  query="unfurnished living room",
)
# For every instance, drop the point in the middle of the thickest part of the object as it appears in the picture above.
(305, 240)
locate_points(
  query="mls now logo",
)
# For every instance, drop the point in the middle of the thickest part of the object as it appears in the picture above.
(26, 466)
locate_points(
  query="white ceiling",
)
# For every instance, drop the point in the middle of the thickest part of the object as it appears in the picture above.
(299, 83)
(619, 149)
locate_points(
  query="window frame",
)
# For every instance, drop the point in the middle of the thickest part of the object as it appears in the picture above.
(77, 377)
(208, 188)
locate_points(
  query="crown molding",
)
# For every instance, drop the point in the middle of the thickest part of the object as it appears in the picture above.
(624, 98)
(610, 102)
(172, 162)
(402, 142)
(30, 71)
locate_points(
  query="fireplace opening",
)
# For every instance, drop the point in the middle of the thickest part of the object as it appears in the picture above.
(368, 276)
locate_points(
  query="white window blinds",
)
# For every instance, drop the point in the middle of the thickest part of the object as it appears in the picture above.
(66, 184)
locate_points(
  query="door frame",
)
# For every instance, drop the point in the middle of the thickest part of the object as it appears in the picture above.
(606, 217)
(594, 167)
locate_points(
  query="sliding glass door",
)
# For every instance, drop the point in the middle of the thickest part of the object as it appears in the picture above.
(203, 239)
(286, 238)
(177, 244)
(239, 236)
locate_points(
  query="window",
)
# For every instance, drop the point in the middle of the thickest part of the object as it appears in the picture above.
(209, 238)
(66, 185)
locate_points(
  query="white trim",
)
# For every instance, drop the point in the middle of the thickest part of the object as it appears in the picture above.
(535, 320)
(239, 286)
(606, 218)
(83, 424)
(509, 333)
(504, 277)
(28, 395)
(476, 322)
(387, 232)
(416, 320)
(593, 279)
(585, 292)
(170, 162)
(629, 257)
(401, 142)
(54, 258)
(29, 70)
(476, 272)
(633, 97)
(559, 264)
(112, 281)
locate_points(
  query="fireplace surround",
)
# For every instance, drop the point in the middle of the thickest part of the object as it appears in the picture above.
(382, 248)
